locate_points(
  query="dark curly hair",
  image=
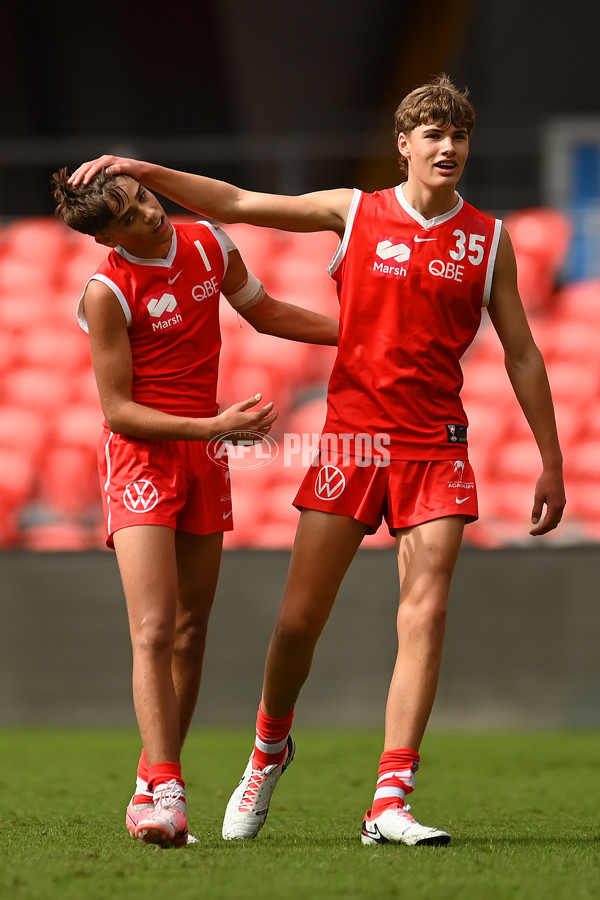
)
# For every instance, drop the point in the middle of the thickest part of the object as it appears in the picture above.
(88, 208)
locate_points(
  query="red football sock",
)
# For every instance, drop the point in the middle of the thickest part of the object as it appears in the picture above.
(161, 773)
(396, 779)
(142, 769)
(142, 792)
(271, 739)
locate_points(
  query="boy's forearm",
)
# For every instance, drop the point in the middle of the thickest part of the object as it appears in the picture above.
(293, 323)
(139, 421)
(196, 192)
(533, 393)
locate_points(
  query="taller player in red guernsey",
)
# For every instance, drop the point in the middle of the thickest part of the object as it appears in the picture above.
(414, 267)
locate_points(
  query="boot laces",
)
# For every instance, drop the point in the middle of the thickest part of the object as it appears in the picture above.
(169, 794)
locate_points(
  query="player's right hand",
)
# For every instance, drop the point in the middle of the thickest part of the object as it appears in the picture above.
(116, 165)
(241, 420)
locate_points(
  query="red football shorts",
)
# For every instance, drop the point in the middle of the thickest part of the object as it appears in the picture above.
(172, 483)
(404, 493)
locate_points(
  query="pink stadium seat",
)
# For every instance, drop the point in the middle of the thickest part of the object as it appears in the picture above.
(544, 232)
(22, 430)
(85, 391)
(69, 484)
(571, 423)
(486, 346)
(579, 301)
(583, 463)
(517, 461)
(573, 380)
(60, 536)
(77, 425)
(17, 478)
(38, 388)
(583, 507)
(541, 239)
(243, 381)
(80, 266)
(301, 274)
(511, 502)
(570, 339)
(9, 349)
(486, 381)
(258, 247)
(36, 239)
(55, 347)
(19, 278)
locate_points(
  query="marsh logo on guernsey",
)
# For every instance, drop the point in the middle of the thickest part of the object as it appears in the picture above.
(391, 257)
(164, 311)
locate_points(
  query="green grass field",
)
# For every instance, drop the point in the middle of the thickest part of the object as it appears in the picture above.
(523, 811)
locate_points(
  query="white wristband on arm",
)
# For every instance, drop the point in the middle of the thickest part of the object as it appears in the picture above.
(248, 295)
(252, 291)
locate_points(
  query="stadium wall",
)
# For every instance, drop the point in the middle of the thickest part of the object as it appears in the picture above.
(521, 651)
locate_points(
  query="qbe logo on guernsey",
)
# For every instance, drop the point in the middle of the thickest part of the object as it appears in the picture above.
(330, 483)
(140, 496)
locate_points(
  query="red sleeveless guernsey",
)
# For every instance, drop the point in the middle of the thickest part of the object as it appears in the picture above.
(411, 292)
(171, 307)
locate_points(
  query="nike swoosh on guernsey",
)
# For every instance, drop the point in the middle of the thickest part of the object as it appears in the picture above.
(226, 515)
(173, 280)
(464, 499)
(419, 240)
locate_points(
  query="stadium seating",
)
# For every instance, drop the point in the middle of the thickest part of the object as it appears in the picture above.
(50, 416)
(541, 240)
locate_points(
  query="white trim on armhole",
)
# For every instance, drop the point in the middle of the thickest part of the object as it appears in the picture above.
(226, 244)
(221, 242)
(487, 289)
(343, 244)
(116, 291)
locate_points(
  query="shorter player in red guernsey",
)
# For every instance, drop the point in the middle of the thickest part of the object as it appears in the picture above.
(152, 313)
(414, 267)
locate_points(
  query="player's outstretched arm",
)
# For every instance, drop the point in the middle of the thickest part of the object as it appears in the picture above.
(270, 316)
(285, 320)
(527, 373)
(224, 202)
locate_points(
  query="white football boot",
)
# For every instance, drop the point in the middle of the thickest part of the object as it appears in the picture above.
(249, 804)
(397, 826)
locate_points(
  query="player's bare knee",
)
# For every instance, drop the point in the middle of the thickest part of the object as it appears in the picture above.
(153, 637)
(190, 638)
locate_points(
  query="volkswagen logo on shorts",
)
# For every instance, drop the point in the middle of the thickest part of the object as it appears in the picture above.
(140, 496)
(242, 450)
(330, 483)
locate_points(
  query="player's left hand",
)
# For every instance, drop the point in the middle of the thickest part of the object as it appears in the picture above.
(549, 493)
